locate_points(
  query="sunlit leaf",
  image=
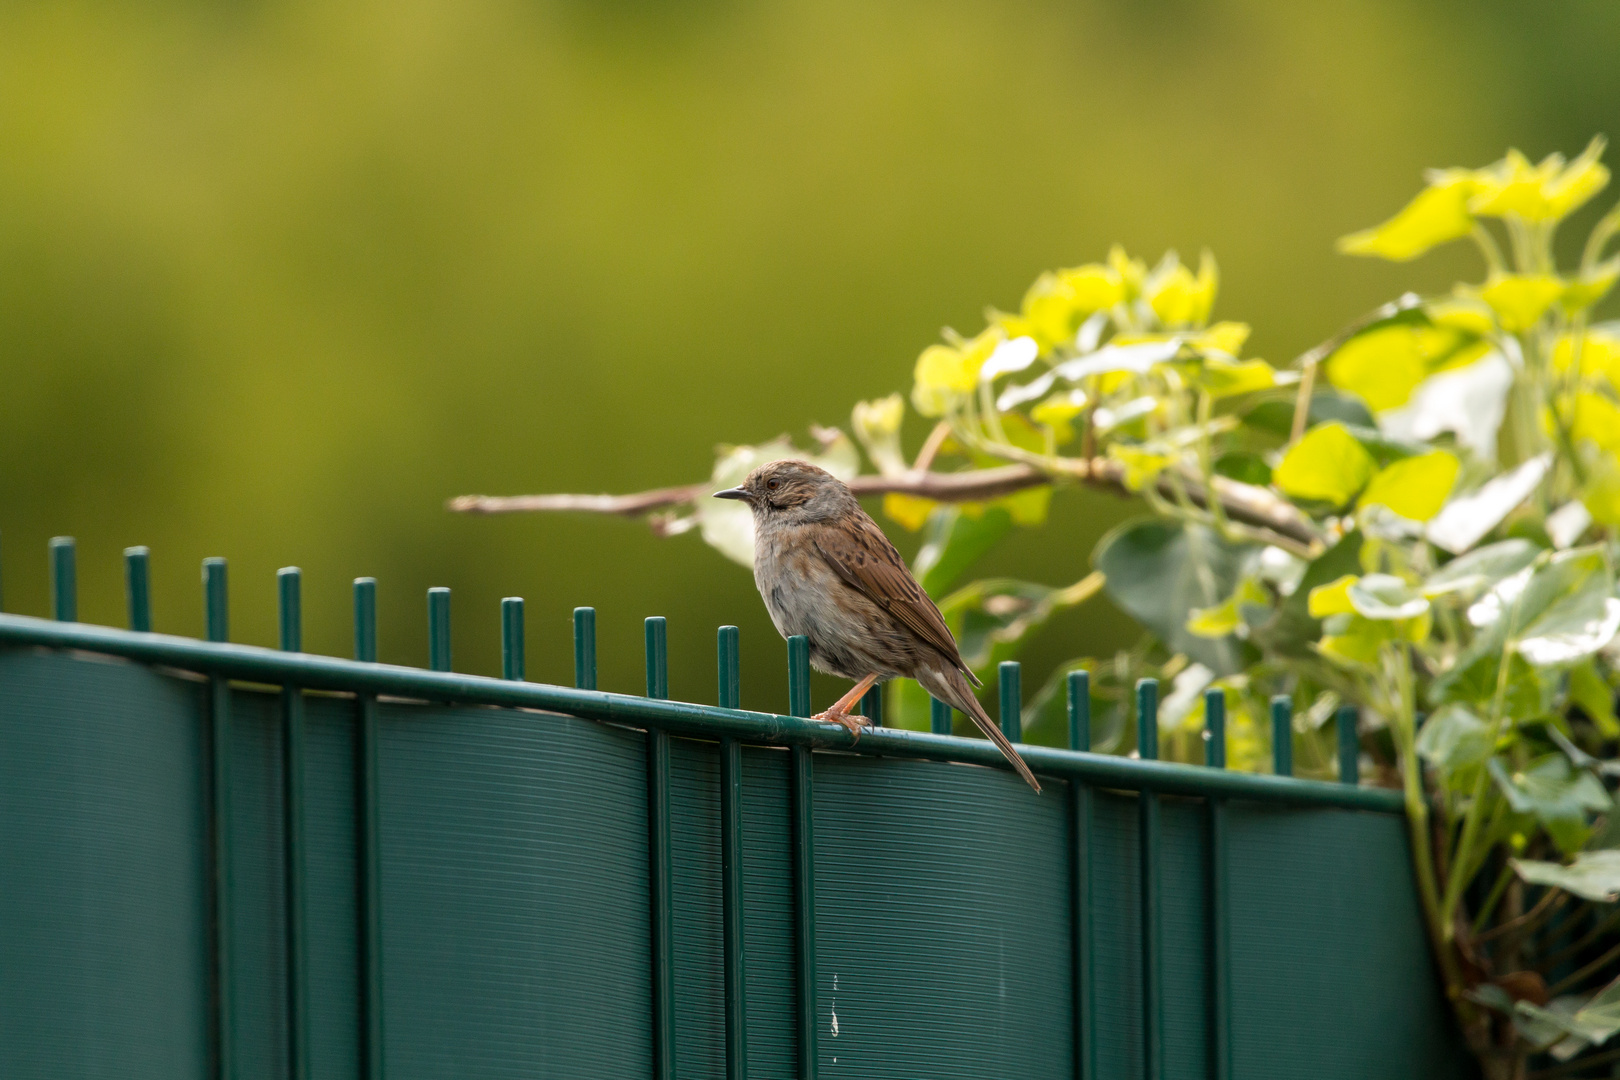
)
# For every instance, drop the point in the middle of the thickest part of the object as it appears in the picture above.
(1598, 349)
(1597, 418)
(728, 525)
(1414, 487)
(992, 618)
(1573, 629)
(908, 511)
(1466, 519)
(1587, 288)
(1469, 575)
(1142, 464)
(1438, 214)
(1327, 465)
(1592, 875)
(1520, 300)
(1226, 617)
(1384, 596)
(1226, 378)
(1332, 598)
(877, 426)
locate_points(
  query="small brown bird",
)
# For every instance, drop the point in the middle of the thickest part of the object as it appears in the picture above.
(825, 570)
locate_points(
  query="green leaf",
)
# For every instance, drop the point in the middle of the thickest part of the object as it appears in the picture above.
(1599, 1018)
(1572, 629)
(1471, 574)
(1226, 617)
(953, 541)
(1558, 606)
(1555, 794)
(1467, 518)
(1160, 571)
(1277, 417)
(1594, 697)
(1454, 739)
(1327, 465)
(1593, 875)
(1415, 487)
(1292, 630)
(1384, 596)
(1244, 467)
(992, 618)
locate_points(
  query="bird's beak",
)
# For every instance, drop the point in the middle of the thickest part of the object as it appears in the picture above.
(733, 493)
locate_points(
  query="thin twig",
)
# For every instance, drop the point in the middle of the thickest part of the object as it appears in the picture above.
(1279, 522)
(1551, 897)
(930, 448)
(1573, 980)
(1309, 359)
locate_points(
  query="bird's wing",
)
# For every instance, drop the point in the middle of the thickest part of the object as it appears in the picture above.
(863, 559)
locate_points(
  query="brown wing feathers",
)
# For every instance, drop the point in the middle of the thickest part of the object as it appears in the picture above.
(863, 558)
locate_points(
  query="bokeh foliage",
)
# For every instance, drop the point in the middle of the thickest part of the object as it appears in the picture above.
(277, 278)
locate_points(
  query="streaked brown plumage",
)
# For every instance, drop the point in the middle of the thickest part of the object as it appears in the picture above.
(825, 570)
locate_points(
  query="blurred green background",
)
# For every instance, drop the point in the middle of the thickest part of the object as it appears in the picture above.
(278, 278)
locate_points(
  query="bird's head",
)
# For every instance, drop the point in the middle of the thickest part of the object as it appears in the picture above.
(780, 487)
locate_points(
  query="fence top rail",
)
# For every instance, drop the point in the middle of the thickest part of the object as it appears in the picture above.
(254, 664)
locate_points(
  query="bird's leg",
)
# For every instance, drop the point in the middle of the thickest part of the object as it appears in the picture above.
(840, 714)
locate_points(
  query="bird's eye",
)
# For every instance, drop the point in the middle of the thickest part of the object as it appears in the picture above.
(773, 484)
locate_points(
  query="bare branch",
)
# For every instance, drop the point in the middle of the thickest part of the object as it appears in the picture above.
(1279, 521)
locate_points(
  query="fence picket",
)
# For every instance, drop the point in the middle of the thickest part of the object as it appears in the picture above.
(289, 581)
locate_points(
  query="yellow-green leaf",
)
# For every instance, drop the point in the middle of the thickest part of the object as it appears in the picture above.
(1226, 337)
(1141, 465)
(1414, 487)
(1588, 689)
(1382, 367)
(1217, 621)
(1027, 507)
(1438, 214)
(1602, 494)
(909, 511)
(1579, 181)
(1332, 598)
(1599, 353)
(1520, 300)
(1587, 289)
(1227, 378)
(1597, 418)
(1329, 465)
(1177, 297)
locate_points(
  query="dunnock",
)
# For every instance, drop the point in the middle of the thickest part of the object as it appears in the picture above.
(825, 570)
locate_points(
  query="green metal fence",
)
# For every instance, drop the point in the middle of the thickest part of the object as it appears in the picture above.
(221, 860)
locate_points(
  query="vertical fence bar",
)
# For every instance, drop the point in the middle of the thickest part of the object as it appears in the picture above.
(1009, 684)
(939, 717)
(289, 580)
(2, 591)
(872, 705)
(804, 862)
(64, 580)
(660, 866)
(1220, 946)
(138, 587)
(731, 864)
(1147, 743)
(438, 601)
(585, 648)
(216, 619)
(512, 647)
(1085, 1041)
(1282, 735)
(1349, 746)
(369, 842)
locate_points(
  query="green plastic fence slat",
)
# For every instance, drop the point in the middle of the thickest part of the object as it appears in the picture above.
(216, 619)
(1282, 735)
(798, 647)
(939, 717)
(1147, 743)
(64, 580)
(138, 588)
(731, 865)
(512, 655)
(585, 648)
(1349, 745)
(1220, 950)
(369, 854)
(1085, 1008)
(660, 868)
(1009, 684)
(311, 672)
(804, 863)
(438, 601)
(288, 580)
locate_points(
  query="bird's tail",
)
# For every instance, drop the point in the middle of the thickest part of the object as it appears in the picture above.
(951, 687)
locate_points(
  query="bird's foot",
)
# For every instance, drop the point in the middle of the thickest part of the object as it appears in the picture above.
(850, 722)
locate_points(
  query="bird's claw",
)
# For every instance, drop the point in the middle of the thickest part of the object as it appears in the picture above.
(850, 722)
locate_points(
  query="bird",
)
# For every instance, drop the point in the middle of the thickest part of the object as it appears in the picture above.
(826, 570)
